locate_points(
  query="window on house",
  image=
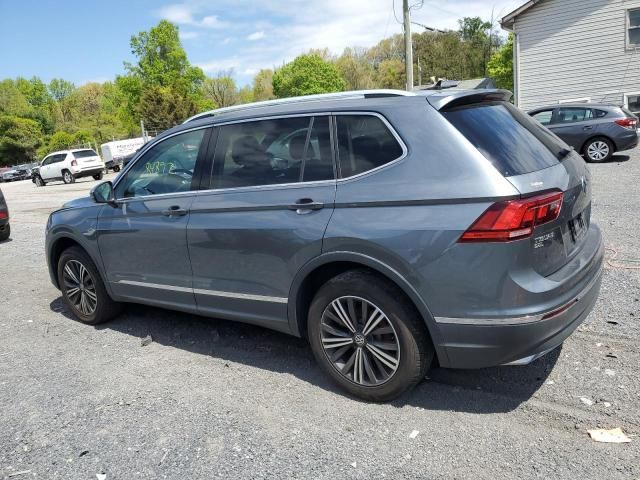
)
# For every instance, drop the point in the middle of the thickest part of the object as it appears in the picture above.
(633, 103)
(634, 27)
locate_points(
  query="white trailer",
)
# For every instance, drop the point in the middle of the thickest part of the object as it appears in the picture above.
(114, 152)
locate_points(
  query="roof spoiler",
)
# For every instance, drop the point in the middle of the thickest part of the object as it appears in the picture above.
(450, 99)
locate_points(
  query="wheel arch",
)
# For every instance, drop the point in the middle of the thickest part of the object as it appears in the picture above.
(583, 149)
(62, 243)
(315, 273)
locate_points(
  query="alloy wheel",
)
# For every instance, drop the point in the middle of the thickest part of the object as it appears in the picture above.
(360, 341)
(598, 151)
(67, 177)
(79, 287)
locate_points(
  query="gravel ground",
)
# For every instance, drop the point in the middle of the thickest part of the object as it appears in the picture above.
(213, 399)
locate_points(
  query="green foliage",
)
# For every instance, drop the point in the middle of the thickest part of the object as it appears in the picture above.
(221, 90)
(60, 141)
(263, 85)
(162, 61)
(391, 74)
(500, 65)
(307, 75)
(164, 107)
(19, 139)
(355, 69)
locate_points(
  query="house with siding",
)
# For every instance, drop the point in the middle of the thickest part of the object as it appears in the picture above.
(576, 51)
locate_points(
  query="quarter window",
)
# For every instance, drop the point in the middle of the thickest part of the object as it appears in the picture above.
(633, 20)
(364, 143)
(544, 117)
(271, 152)
(167, 167)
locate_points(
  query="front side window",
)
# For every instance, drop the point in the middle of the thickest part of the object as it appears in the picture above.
(59, 158)
(573, 114)
(633, 20)
(544, 117)
(167, 167)
(271, 152)
(364, 143)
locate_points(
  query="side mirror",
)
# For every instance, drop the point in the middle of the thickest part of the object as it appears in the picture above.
(103, 193)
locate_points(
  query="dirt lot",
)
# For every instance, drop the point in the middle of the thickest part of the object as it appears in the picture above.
(213, 399)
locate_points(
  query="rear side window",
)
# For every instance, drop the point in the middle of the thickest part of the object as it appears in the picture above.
(59, 158)
(364, 143)
(84, 154)
(599, 113)
(511, 140)
(271, 152)
(573, 114)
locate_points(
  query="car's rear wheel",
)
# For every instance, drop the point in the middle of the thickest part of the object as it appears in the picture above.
(367, 337)
(116, 168)
(598, 150)
(39, 181)
(98, 176)
(67, 177)
(82, 288)
(5, 232)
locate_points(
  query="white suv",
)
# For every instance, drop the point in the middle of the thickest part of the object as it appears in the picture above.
(67, 165)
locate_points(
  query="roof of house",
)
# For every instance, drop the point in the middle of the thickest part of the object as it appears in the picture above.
(508, 21)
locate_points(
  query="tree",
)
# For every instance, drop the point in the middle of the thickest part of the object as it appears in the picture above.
(60, 89)
(19, 139)
(60, 141)
(391, 74)
(164, 107)
(162, 61)
(500, 65)
(221, 90)
(355, 69)
(263, 85)
(307, 75)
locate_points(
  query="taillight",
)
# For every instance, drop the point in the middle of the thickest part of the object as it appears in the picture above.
(514, 219)
(3, 215)
(74, 163)
(628, 123)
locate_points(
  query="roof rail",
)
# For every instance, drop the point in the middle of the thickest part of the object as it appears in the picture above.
(379, 93)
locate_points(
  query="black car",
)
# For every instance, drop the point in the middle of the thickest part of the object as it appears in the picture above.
(5, 229)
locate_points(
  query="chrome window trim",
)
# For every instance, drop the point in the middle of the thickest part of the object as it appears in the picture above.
(201, 291)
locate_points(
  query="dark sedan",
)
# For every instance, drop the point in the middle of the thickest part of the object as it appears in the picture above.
(5, 229)
(594, 130)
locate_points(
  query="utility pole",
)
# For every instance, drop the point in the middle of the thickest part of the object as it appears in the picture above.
(144, 137)
(408, 49)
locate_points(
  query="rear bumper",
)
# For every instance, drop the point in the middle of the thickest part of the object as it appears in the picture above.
(89, 172)
(627, 141)
(487, 342)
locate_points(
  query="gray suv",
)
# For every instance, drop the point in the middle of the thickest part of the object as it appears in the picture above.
(392, 230)
(596, 131)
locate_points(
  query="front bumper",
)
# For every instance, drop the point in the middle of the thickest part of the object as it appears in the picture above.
(489, 342)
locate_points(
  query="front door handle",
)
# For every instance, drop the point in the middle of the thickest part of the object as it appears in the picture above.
(306, 205)
(174, 211)
(588, 128)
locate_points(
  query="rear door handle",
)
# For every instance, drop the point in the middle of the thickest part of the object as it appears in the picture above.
(306, 205)
(587, 128)
(174, 211)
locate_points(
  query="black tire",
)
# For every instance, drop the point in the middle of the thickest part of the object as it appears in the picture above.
(402, 325)
(116, 169)
(598, 150)
(98, 176)
(105, 308)
(5, 233)
(67, 177)
(39, 182)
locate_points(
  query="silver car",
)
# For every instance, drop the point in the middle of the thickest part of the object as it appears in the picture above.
(597, 131)
(392, 230)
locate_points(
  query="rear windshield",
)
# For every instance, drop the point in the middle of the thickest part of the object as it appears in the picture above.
(629, 113)
(511, 140)
(84, 154)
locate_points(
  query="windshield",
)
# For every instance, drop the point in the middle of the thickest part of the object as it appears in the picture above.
(511, 140)
(84, 154)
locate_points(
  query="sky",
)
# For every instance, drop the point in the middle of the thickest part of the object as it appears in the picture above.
(85, 41)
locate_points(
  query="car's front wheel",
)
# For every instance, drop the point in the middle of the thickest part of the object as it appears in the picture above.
(598, 150)
(67, 177)
(82, 288)
(98, 176)
(39, 181)
(367, 337)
